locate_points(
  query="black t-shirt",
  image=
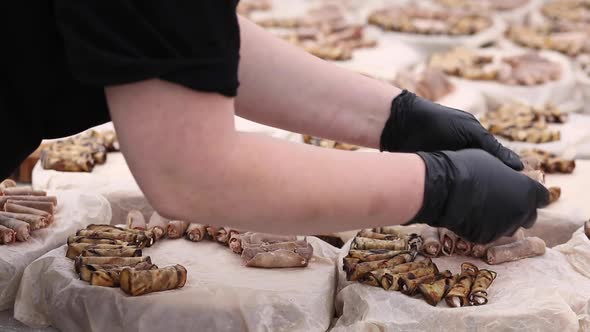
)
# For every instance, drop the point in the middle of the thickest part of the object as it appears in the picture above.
(58, 55)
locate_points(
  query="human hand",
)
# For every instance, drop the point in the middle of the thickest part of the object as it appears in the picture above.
(417, 124)
(476, 196)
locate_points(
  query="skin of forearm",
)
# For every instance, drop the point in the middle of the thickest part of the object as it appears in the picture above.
(192, 165)
(285, 87)
(270, 185)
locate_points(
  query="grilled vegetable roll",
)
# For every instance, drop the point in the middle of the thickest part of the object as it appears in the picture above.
(79, 261)
(292, 245)
(397, 269)
(158, 225)
(235, 241)
(126, 251)
(111, 277)
(106, 278)
(8, 183)
(414, 242)
(121, 236)
(479, 250)
(397, 230)
(143, 238)
(457, 296)
(196, 232)
(479, 290)
(150, 238)
(374, 235)
(84, 239)
(270, 238)
(76, 249)
(67, 161)
(363, 268)
(136, 220)
(176, 229)
(35, 222)
(212, 231)
(394, 280)
(434, 292)
(43, 206)
(431, 246)
(349, 264)
(374, 254)
(136, 283)
(527, 247)
(554, 194)
(15, 208)
(463, 247)
(7, 235)
(409, 284)
(448, 240)
(21, 228)
(373, 278)
(363, 243)
(111, 142)
(224, 234)
(238, 241)
(271, 255)
(300, 246)
(531, 163)
(105, 228)
(23, 191)
(50, 199)
(536, 175)
(280, 258)
(87, 270)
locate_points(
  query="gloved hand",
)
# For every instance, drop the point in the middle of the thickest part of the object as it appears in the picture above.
(416, 124)
(476, 196)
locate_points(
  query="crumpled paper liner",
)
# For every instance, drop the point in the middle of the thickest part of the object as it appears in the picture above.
(557, 222)
(577, 252)
(75, 210)
(113, 180)
(428, 44)
(537, 294)
(220, 294)
(557, 92)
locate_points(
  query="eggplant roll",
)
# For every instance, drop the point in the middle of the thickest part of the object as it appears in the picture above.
(525, 248)
(134, 282)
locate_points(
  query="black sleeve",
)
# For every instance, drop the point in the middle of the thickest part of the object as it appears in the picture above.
(20, 136)
(190, 42)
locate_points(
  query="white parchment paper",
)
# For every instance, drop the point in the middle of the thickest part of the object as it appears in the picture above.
(75, 210)
(537, 294)
(220, 294)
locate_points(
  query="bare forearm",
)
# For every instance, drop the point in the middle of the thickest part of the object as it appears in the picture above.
(191, 164)
(270, 185)
(285, 87)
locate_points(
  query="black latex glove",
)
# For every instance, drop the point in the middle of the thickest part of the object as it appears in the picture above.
(416, 124)
(476, 196)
